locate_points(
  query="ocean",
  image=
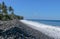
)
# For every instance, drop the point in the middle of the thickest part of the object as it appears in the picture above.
(47, 22)
(50, 31)
(50, 28)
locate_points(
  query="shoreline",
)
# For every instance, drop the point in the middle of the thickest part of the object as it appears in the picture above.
(48, 30)
(39, 34)
(29, 32)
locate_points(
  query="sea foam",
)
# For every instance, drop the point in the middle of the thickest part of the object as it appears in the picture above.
(48, 30)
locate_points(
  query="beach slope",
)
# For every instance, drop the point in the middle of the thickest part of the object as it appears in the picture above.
(48, 30)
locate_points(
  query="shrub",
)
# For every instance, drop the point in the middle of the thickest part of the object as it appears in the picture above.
(0, 16)
(6, 17)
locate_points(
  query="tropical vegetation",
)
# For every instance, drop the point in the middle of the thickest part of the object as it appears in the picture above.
(7, 13)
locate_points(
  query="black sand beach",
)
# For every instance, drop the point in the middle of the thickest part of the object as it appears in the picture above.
(17, 30)
(37, 34)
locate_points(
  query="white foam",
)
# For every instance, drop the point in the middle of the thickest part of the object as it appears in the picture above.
(51, 31)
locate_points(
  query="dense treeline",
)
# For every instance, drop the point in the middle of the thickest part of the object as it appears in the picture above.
(4, 13)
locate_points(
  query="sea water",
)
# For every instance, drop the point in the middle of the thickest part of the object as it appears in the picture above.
(48, 27)
(47, 22)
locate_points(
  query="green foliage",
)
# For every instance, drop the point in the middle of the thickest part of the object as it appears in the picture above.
(11, 9)
(12, 16)
(4, 10)
(19, 17)
(0, 6)
(1, 16)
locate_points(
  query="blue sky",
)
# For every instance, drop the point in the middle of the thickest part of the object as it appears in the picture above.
(36, 9)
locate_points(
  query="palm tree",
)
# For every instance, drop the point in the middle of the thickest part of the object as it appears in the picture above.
(11, 9)
(12, 12)
(0, 13)
(0, 8)
(13, 16)
(4, 9)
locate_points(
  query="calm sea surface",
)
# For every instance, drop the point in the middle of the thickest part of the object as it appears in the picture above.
(48, 22)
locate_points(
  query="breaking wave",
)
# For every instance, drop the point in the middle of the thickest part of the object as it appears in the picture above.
(48, 30)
